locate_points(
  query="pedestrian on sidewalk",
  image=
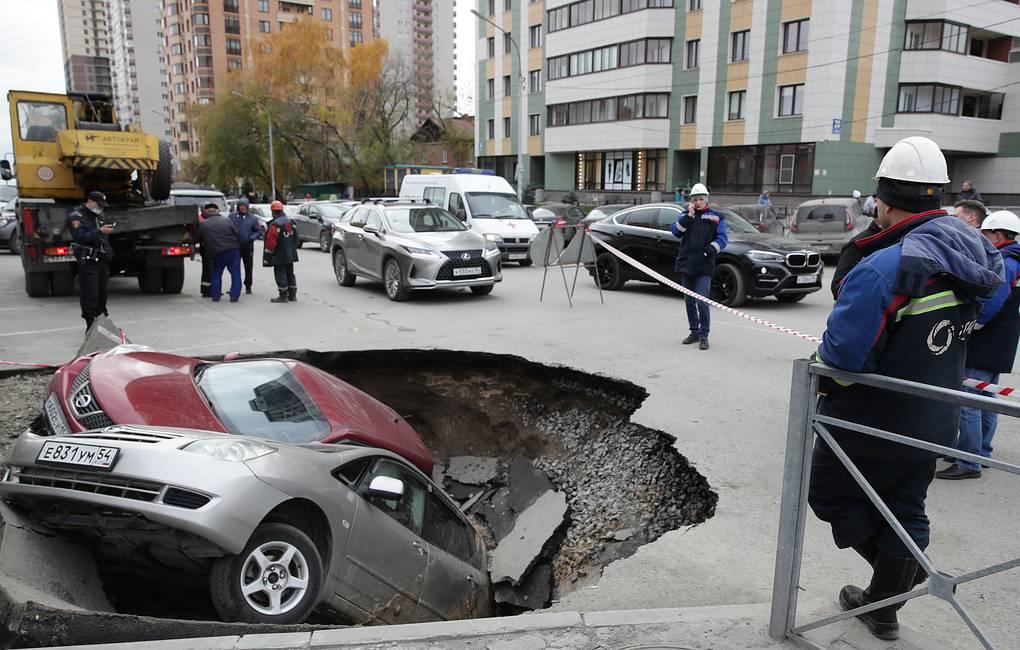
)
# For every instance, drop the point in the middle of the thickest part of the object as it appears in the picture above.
(281, 253)
(904, 311)
(991, 348)
(967, 192)
(207, 210)
(765, 198)
(702, 234)
(249, 230)
(90, 244)
(221, 243)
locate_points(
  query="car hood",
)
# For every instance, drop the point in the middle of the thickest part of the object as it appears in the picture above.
(457, 240)
(775, 242)
(506, 227)
(150, 388)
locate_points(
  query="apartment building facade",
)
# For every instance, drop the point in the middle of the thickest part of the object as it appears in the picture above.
(632, 98)
(141, 92)
(84, 35)
(206, 40)
(420, 34)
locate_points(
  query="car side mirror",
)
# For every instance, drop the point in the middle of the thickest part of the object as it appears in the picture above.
(230, 356)
(6, 173)
(461, 214)
(386, 487)
(372, 229)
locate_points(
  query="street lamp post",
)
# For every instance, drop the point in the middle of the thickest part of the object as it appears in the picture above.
(522, 117)
(269, 117)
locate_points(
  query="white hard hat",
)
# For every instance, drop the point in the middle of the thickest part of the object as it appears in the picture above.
(915, 160)
(699, 189)
(856, 194)
(1001, 220)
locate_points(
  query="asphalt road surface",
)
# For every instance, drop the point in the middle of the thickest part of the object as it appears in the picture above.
(727, 407)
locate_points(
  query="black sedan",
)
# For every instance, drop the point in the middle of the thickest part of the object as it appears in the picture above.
(753, 264)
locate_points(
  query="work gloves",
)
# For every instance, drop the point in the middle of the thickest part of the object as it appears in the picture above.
(710, 251)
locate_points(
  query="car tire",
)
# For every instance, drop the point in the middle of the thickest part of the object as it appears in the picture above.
(483, 290)
(63, 283)
(396, 290)
(608, 273)
(526, 262)
(343, 275)
(728, 285)
(324, 241)
(791, 297)
(260, 564)
(15, 243)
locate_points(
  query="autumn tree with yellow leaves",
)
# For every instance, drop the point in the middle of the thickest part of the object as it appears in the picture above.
(337, 115)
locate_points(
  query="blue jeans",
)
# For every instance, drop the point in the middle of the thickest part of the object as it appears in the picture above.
(230, 260)
(977, 427)
(697, 311)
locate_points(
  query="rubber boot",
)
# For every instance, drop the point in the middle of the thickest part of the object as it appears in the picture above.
(282, 297)
(869, 552)
(292, 294)
(892, 576)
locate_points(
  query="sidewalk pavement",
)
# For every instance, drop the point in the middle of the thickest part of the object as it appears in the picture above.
(729, 626)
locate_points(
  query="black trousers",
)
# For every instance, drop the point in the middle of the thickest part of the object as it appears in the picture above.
(92, 279)
(246, 260)
(206, 282)
(837, 499)
(285, 276)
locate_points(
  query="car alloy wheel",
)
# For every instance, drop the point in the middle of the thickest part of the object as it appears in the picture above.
(609, 273)
(395, 289)
(274, 578)
(343, 276)
(728, 286)
(324, 241)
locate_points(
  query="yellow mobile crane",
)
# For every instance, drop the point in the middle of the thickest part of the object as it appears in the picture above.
(68, 145)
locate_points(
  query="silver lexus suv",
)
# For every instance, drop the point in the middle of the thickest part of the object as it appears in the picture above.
(411, 246)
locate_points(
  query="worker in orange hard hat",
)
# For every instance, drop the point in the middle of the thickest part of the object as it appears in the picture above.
(281, 253)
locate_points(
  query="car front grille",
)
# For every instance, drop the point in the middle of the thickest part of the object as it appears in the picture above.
(516, 240)
(802, 260)
(185, 498)
(456, 261)
(125, 434)
(84, 405)
(93, 482)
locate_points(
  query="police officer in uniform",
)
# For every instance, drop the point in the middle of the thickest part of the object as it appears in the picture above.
(905, 311)
(91, 246)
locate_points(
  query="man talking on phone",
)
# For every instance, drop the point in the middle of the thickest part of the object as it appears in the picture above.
(91, 246)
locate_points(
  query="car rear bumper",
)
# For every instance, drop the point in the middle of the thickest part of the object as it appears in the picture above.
(826, 245)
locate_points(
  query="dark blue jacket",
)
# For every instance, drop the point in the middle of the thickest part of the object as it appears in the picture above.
(281, 241)
(248, 228)
(993, 345)
(701, 238)
(218, 235)
(92, 244)
(906, 311)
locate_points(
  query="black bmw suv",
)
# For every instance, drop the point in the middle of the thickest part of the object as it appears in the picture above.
(753, 264)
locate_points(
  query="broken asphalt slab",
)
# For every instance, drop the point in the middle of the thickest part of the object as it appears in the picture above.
(472, 470)
(520, 549)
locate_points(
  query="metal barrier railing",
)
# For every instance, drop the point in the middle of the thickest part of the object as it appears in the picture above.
(804, 423)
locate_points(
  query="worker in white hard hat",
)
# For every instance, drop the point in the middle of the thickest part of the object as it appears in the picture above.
(991, 349)
(904, 311)
(702, 234)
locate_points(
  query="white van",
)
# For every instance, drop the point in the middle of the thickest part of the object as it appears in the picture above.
(486, 203)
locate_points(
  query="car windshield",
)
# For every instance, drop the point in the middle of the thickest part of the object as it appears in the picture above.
(332, 212)
(493, 205)
(261, 399)
(410, 220)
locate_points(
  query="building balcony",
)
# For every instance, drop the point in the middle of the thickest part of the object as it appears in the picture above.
(929, 66)
(605, 136)
(951, 132)
(972, 14)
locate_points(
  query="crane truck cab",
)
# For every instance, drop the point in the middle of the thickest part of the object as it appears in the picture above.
(486, 203)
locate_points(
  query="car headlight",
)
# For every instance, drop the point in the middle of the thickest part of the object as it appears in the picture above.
(424, 252)
(491, 245)
(766, 256)
(227, 449)
(491, 236)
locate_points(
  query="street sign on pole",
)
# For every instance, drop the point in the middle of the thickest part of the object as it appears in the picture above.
(837, 125)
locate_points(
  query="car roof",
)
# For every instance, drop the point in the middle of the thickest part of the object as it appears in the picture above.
(186, 192)
(829, 201)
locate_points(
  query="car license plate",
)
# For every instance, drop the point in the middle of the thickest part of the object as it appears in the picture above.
(518, 256)
(471, 270)
(79, 455)
(807, 279)
(55, 416)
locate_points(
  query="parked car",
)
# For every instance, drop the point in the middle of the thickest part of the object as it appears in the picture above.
(314, 222)
(279, 530)
(827, 224)
(9, 227)
(261, 212)
(557, 214)
(763, 217)
(413, 247)
(598, 213)
(280, 400)
(753, 264)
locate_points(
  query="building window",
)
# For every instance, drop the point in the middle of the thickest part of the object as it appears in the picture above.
(178, 68)
(786, 163)
(506, 127)
(329, 34)
(535, 81)
(356, 21)
(929, 98)
(785, 168)
(606, 9)
(490, 89)
(535, 36)
(559, 67)
(264, 26)
(586, 11)
(200, 19)
(984, 105)
(791, 100)
(610, 109)
(490, 47)
(327, 13)
(694, 5)
(507, 5)
(231, 6)
(176, 48)
(736, 111)
(356, 37)
(174, 29)
(233, 46)
(690, 109)
(740, 50)
(492, 7)
(936, 35)
(202, 40)
(795, 36)
(171, 9)
(693, 48)
(535, 124)
(179, 88)
(354, 4)
(507, 44)
(507, 87)
(264, 6)
(231, 25)
(490, 129)
(203, 61)
(233, 64)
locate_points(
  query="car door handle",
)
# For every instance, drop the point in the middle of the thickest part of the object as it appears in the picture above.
(421, 549)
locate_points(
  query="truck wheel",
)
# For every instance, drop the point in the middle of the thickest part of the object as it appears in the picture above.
(62, 282)
(37, 285)
(162, 178)
(150, 280)
(173, 279)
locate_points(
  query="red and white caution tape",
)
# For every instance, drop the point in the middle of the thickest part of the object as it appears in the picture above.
(984, 386)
